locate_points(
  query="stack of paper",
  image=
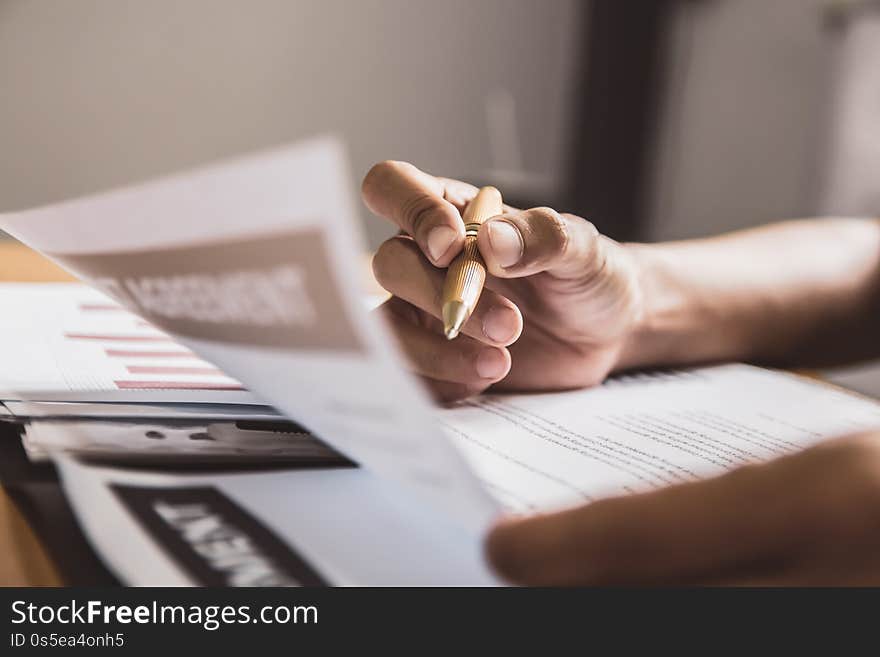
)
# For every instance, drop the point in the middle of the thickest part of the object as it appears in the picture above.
(69, 351)
(531, 452)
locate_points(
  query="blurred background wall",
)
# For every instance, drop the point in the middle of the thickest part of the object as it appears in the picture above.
(659, 120)
(744, 115)
(97, 93)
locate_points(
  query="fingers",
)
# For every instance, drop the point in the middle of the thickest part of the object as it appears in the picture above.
(445, 392)
(463, 361)
(401, 269)
(523, 243)
(615, 541)
(417, 202)
(695, 531)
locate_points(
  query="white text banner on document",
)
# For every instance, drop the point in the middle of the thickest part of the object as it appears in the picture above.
(253, 265)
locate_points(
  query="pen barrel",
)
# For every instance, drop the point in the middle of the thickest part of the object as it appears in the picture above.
(486, 204)
(466, 275)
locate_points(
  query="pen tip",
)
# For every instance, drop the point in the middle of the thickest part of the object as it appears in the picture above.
(455, 314)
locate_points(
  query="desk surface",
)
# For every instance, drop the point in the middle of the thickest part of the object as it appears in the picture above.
(23, 560)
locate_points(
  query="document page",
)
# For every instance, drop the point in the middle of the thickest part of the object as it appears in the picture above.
(641, 432)
(254, 265)
(340, 526)
(68, 342)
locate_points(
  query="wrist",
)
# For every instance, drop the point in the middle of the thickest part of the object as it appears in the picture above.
(682, 321)
(647, 343)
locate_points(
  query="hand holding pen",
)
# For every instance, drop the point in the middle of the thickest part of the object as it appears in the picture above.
(557, 306)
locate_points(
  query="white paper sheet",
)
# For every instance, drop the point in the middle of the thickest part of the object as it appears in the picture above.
(69, 342)
(352, 526)
(254, 265)
(536, 452)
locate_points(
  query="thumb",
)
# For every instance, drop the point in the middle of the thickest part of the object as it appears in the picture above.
(524, 243)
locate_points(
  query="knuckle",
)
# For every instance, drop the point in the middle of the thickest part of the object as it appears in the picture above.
(452, 363)
(417, 211)
(588, 226)
(549, 230)
(380, 262)
(594, 248)
(588, 234)
(383, 263)
(390, 261)
(379, 174)
(551, 219)
(447, 364)
(592, 239)
(466, 360)
(378, 185)
(598, 260)
(430, 363)
(372, 182)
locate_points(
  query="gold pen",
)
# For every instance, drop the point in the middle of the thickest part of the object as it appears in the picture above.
(467, 273)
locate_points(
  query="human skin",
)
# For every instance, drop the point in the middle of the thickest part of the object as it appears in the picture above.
(565, 306)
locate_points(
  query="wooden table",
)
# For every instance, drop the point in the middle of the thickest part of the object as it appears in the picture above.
(23, 560)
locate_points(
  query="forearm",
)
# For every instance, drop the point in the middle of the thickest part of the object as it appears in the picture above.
(795, 293)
